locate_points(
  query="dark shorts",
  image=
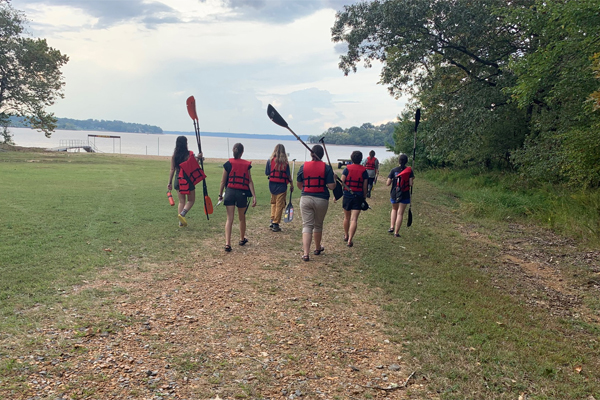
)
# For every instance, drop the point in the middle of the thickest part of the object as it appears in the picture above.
(403, 201)
(352, 203)
(236, 197)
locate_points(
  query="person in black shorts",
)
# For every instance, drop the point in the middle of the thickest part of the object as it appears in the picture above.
(356, 179)
(401, 179)
(237, 178)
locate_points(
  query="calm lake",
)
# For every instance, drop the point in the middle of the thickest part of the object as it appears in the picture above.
(163, 144)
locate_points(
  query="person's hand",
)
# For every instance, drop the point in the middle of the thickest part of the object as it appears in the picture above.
(199, 157)
(291, 188)
(169, 187)
(253, 201)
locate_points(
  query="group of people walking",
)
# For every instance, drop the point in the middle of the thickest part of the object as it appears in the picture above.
(315, 179)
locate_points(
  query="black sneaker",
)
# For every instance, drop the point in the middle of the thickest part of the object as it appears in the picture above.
(271, 225)
(276, 228)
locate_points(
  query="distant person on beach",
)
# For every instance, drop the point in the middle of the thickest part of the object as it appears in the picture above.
(315, 178)
(372, 165)
(402, 178)
(240, 188)
(356, 178)
(278, 171)
(186, 190)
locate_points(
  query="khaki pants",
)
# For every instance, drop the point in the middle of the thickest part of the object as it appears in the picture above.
(313, 211)
(277, 206)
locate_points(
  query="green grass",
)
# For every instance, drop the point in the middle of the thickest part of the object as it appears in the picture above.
(502, 196)
(66, 216)
(470, 337)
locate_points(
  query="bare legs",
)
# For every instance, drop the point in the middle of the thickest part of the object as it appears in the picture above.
(396, 216)
(191, 199)
(350, 224)
(307, 240)
(229, 223)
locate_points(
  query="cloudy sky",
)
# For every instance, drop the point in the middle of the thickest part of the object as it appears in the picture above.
(138, 60)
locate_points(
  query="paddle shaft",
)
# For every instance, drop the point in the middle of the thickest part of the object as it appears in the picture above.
(204, 188)
(329, 161)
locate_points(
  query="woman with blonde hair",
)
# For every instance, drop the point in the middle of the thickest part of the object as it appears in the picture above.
(237, 178)
(278, 171)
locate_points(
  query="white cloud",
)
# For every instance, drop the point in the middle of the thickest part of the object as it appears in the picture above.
(140, 62)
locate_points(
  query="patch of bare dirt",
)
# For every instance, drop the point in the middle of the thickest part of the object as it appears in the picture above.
(550, 271)
(254, 323)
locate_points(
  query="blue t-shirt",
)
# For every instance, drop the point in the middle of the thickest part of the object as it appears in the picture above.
(277, 187)
(328, 179)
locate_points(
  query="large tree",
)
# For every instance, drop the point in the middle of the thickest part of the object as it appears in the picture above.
(30, 76)
(453, 56)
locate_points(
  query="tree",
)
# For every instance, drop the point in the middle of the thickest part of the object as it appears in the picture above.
(555, 82)
(30, 76)
(452, 56)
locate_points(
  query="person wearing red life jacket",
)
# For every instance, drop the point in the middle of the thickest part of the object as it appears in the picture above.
(315, 179)
(237, 179)
(356, 178)
(278, 171)
(402, 178)
(372, 165)
(186, 190)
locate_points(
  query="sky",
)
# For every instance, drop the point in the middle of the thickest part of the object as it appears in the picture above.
(138, 61)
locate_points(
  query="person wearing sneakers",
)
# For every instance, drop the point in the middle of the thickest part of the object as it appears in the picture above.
(402, 178)
(278, 171)
(186, 191)
(315, 178)
(237, 179)
(356, 178)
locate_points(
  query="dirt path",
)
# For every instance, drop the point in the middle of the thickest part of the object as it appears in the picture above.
(254, 323)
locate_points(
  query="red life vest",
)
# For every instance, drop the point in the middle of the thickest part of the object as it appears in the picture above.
(278, 173)
(354, 180)
(313, 177)
(189, 172)
(239, 178)
(370, 164)
(403, 179)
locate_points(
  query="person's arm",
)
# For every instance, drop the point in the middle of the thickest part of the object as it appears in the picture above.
(268, 168)
(365, 183)
(410, 181)
(223, 182)
(251, 186)
(170, 184)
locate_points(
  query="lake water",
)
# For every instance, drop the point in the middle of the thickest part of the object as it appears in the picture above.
(163, 144)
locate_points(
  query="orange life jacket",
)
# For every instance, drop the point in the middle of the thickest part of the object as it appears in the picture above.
(403, 179)
(189, 171)
(239, 177)
(370, 164)
(278, 173)
(354, 180)
(313, 177)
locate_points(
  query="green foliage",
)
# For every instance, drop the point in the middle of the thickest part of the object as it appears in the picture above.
(365, 135)
(500, 84)
(30, 76)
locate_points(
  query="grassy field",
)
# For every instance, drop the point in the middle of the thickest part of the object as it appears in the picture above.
(466, 320)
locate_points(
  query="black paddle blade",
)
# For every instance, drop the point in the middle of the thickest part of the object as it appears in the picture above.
(276, 117)
(409, 222)
(417, 118)
(338, 192)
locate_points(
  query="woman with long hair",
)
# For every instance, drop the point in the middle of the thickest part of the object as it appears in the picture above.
(402, 178)
(237, 179)
(356, 178)
(186, 190)
(278, 171)
(315, 179)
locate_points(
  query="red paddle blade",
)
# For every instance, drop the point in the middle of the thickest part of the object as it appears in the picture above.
(191, 107)
(208, 206)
